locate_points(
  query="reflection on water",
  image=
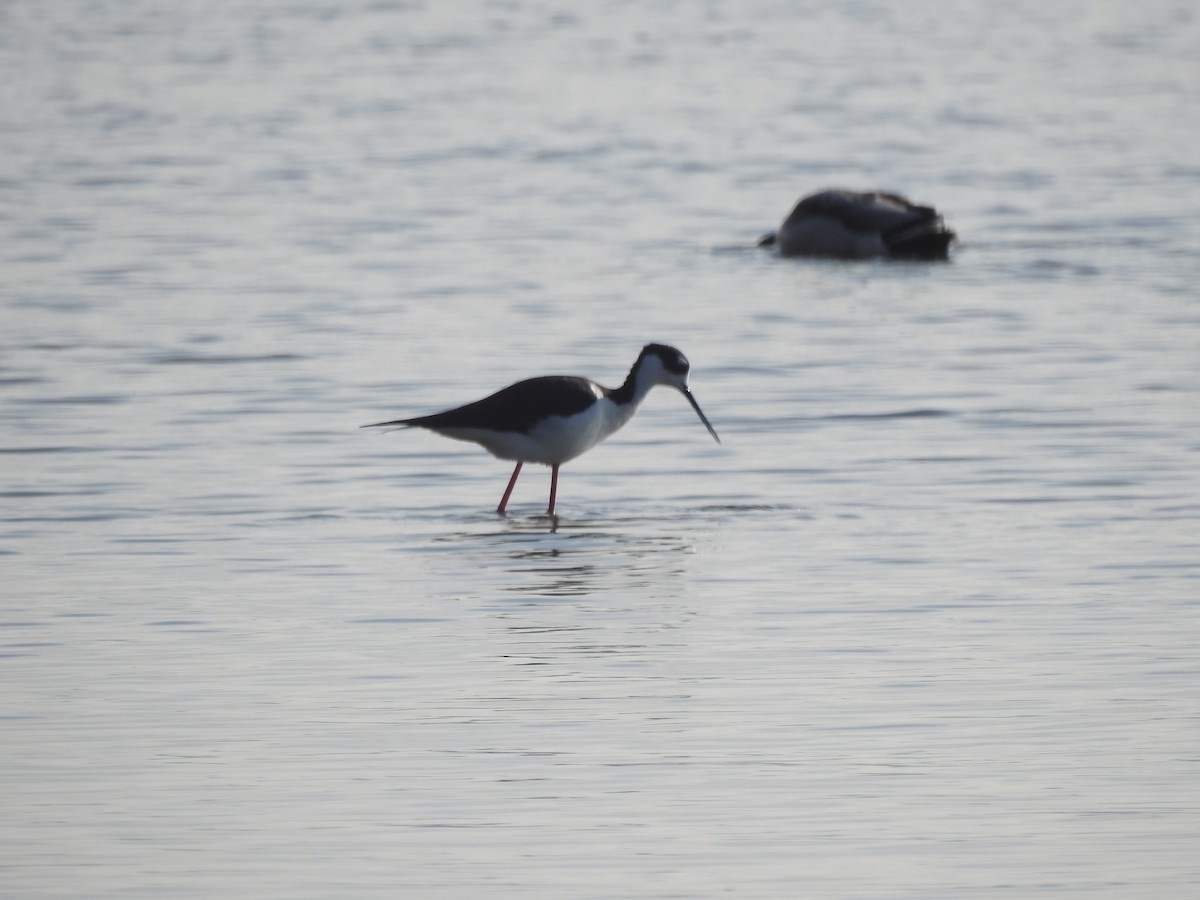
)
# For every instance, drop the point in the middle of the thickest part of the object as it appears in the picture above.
(565, 557)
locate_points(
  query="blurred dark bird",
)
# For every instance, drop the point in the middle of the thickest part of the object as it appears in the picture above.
(861, 225)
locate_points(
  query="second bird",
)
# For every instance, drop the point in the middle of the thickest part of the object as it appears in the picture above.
(554, 418)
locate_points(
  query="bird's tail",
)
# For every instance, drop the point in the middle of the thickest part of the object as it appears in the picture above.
(394, 425)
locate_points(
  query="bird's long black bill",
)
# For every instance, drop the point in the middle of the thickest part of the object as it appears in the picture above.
(703, 417)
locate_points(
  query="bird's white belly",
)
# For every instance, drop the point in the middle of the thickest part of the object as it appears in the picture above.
(553, 440)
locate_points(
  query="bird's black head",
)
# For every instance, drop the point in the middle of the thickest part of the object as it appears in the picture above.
(672, 360)
(663, 364)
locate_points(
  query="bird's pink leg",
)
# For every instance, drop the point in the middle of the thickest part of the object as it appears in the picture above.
(508, 490)
(553, 488)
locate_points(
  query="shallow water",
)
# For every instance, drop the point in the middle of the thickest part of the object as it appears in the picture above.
(922, 625)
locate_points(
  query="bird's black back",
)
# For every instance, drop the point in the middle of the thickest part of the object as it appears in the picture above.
(517, 407)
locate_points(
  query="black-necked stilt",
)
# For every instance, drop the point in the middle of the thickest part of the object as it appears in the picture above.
(861, 225)
(554, 418)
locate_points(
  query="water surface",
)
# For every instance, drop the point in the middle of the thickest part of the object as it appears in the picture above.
(923, 625)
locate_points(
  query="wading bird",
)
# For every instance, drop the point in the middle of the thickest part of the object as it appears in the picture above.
(554, 418)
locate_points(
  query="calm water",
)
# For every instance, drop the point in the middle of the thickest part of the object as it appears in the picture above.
(924, 625)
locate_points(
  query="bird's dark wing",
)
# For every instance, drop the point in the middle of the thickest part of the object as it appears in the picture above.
(517, 407)
(875, 211)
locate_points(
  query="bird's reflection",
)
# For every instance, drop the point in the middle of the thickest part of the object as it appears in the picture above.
(551, 556)
(611, 590)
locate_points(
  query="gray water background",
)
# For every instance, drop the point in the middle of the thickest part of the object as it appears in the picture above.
(923, 625)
